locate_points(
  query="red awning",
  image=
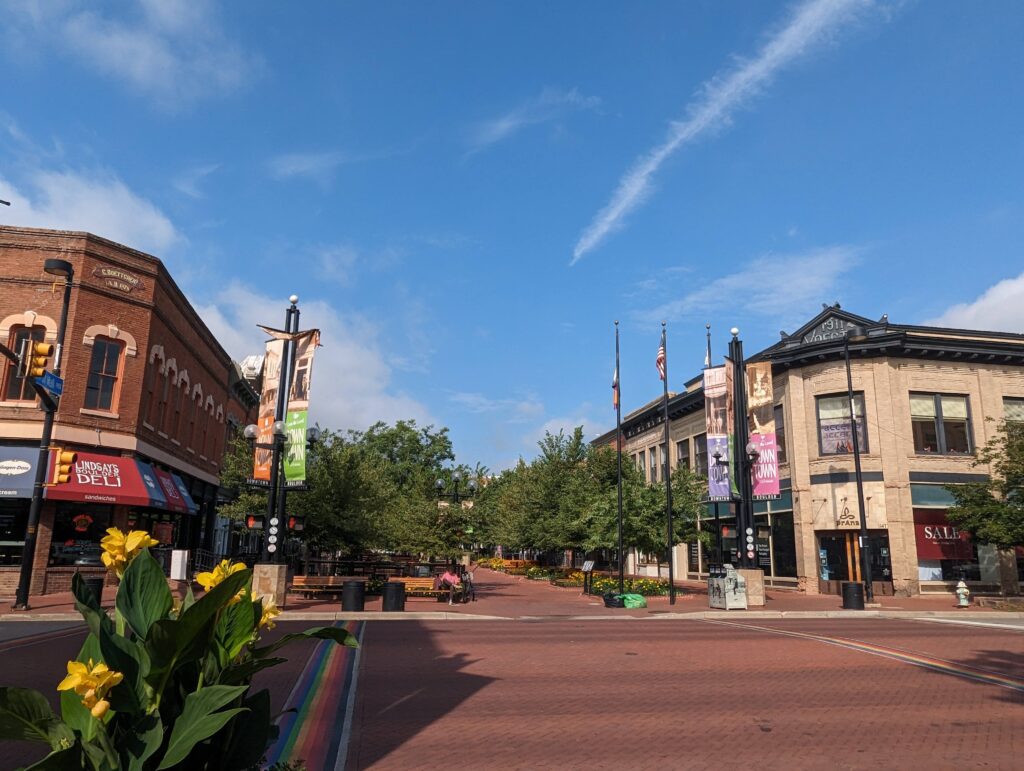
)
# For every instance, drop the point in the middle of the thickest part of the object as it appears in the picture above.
(174, 500)
(107, 479)
(939, 540)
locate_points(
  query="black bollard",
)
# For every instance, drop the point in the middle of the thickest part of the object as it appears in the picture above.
(394, 596)
(353, 596)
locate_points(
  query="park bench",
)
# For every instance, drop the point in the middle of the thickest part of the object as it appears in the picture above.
(518, 567)
(424, 587)
(308, 586)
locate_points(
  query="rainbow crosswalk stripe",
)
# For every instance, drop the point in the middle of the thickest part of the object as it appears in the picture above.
(942, 666)
(317, 730)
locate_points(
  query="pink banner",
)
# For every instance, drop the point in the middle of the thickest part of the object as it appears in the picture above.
(765, 471)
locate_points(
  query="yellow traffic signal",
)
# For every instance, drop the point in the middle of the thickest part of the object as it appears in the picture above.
(39, 356)
(63, 460)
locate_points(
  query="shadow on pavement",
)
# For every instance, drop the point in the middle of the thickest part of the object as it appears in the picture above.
(405, 684)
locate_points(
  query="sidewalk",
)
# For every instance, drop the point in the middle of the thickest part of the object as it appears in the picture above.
(516, 597)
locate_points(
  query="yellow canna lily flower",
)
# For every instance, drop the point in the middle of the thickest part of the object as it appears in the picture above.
(219, 573)
(120, 548)
(91, 682)
(270, 611)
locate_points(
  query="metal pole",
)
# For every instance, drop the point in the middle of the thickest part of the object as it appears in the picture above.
(744, 511)
(668, 478)
(618, 454)
(291, 347)
(865, 547)
(28, 553)
(275, 456)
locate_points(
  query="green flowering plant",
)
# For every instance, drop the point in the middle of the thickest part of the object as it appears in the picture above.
(162, 685)
(648, 587)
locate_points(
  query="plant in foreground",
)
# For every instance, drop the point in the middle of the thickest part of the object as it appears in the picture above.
(161, 686)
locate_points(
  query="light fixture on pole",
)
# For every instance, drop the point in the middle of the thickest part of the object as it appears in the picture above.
(60, 269)
(455, 495)
(858, 334)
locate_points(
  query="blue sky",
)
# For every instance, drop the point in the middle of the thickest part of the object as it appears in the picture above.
(466, 195)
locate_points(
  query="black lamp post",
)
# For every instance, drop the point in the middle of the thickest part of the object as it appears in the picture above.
(857, 334)
(273, 523)
(455, 495)
(65, 270)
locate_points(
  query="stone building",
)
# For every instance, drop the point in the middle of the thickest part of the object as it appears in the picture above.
(149, 396)
(926, 399)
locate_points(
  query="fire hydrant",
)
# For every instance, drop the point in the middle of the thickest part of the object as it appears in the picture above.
(962, 594)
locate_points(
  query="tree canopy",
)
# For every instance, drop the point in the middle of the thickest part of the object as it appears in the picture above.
(993, 511)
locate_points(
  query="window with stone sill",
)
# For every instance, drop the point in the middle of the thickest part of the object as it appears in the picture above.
(102, 386)
(941, 424)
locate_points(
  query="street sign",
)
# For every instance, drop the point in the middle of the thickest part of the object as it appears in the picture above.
(52, 383)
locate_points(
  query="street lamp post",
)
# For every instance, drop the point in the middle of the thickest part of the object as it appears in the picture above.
(857, 334)
(455, 495)
(744, 458)
(65, 270)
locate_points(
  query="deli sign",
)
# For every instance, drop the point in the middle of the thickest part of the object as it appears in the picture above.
(109, 479)
(937, 539)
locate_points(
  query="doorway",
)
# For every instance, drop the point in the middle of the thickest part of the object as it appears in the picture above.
(839, 560)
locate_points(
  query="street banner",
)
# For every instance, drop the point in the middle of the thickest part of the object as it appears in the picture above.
(761, 420)
(268, 407)
(716, 418)
(297, 419)
(730, 422)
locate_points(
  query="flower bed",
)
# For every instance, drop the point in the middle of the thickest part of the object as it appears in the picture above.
(648, 587)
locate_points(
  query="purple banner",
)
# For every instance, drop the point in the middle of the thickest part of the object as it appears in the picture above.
(718, 473)
(765, 472)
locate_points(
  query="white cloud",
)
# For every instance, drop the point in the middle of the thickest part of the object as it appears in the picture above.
(351, 377)
(1000, 308)
(774, 285)
(551, 104)
(812, 22)
(174, 51)
(567, 423)
(316, 166)
(96, 202)
(337, 263)
(514, 410)
(188, 181)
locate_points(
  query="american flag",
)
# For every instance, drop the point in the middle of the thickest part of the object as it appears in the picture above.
(660, 361)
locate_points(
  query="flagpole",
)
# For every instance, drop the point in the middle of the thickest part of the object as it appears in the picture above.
(668, 473)
(618, 453)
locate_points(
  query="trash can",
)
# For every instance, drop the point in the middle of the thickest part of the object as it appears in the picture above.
(95, 585)
(853, 596)
(353, 595)
(394, 596)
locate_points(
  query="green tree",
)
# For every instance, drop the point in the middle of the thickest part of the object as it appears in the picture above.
(993, 511)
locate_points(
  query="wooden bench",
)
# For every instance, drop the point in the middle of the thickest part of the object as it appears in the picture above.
(518, 567)
(308, 586)
(424, 587)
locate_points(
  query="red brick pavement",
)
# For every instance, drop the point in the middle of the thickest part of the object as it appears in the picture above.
(673, 695)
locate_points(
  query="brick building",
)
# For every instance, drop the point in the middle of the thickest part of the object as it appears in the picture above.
(926, 399)
(149, 398)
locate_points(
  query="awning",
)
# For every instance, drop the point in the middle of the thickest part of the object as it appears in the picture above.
(175, 500)
(191, 504)
(110, 479)
(17, 471)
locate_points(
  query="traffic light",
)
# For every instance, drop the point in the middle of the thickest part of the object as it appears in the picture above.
(254, 521)
(39, 355)
(63, 460)
(296, 524)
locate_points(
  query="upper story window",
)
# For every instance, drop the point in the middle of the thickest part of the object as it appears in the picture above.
(653, 454)
(1013, 409)
(834, 435)
(101, 389)
(700, 454)
(19, 389)
(941, 423)
(780, 432)
(641, 459)
(683, 453)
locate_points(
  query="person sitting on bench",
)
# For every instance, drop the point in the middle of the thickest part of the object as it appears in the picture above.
(450, 580)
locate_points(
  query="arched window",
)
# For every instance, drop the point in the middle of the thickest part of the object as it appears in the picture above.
(102, 389)
(180, 395)
(196, 419)
(19, 389)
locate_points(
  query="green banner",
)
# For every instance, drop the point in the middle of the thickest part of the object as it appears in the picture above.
(295, 446)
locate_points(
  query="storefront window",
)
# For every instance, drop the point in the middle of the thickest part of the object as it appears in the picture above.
(77, 531)
(784, 544)
(13, 519)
